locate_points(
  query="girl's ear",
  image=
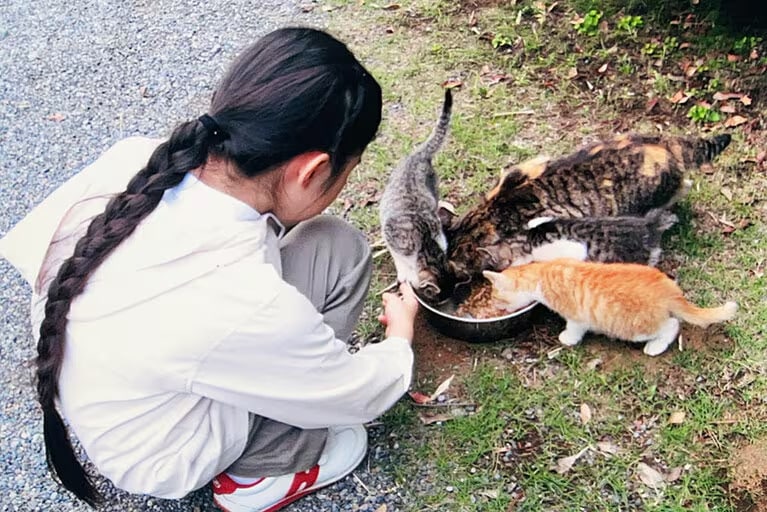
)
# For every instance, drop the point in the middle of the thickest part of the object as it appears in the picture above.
(309, 169)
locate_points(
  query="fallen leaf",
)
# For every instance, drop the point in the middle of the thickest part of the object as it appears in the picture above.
(649, 476)
(307, 8)
(723, 96)
(607, 448)
(728, 109)
(592, 365)
(56, 117)
(572, 73)
(602, 68)
(436, 418)
(745, 99)
(585, 414)
(441, 388)
(735, 121)
(490, 493)
(680, 97)
(650, 105)
(754, 54)
(391, 7)
(726, 192)
(674, 475)
(685, 45)
(677, 417)
(419, 398)
(690, 71)
(143, 90)
(733, 58)
(566, 464)
(452, 84)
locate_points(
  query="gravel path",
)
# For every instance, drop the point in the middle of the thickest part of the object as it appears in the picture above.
(76, 76)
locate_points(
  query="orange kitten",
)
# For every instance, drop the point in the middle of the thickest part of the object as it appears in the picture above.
(625, 301)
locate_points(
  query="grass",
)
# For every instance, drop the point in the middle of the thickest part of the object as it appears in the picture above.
(532, 84)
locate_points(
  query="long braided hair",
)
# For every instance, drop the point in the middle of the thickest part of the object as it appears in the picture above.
(295, 90)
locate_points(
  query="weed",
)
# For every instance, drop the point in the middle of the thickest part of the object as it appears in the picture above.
(589, 25)
(630, 25)
(702, 114)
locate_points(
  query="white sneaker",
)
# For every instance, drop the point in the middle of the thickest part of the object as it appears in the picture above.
(344, 450)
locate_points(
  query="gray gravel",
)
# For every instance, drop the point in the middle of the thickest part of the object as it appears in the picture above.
(75, 77)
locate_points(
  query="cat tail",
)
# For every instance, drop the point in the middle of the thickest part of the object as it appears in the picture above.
(702, 317)
(437, 137)
(661, 219)
(700, 151)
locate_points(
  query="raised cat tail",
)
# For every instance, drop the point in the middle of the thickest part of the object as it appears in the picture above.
(660, 219)
(437, 137)
(702, 151)
(702, 317)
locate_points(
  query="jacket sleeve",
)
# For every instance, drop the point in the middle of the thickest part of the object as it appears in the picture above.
(286, 364)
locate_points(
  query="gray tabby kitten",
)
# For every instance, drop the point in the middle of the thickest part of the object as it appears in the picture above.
(409, 214)
(622, 239)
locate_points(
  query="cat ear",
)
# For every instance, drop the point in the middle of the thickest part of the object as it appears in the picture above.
(446, 213)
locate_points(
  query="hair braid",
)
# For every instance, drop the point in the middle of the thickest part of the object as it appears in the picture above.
(186, 149)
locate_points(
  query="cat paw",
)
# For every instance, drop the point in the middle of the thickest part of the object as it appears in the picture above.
(567, 338)
(656, 347)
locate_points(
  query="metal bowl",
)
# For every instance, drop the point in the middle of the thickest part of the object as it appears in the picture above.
(476, 330)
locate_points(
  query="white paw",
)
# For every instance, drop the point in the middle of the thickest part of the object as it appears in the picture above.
(656, 347)
(567, 338)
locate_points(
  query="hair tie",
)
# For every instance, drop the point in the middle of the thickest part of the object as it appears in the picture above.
(211, 126)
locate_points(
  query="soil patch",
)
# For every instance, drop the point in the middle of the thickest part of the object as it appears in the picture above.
(749, 476)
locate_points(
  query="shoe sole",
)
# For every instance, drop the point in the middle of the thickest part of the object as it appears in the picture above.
(284, 502)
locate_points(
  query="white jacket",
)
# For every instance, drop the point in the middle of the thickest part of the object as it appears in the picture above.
(186, 328)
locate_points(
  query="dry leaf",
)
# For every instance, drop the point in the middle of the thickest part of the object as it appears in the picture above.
(607, 448)
(57, 117)
(143, 91)
(572, 73)
(585, 414)
(602, 68)
(649, 476)
(735, 121)
(452, 84)
(382, 508)
(745, 99)
(680, 97)
(419, 398)
(442, 388)
(650, 105)
(674, 475)
(726, 192)
(566, 464)
(733, 58)
(436, 418)
(685, 45)
(391, 7)
(754, 54)
(727, 109)
(592, 365)
(723, 96)
(677, 417)
(490, 493)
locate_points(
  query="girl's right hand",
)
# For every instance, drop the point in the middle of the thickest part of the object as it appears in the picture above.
(399, 312)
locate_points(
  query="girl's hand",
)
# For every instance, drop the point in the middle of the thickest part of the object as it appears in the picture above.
(399, 312)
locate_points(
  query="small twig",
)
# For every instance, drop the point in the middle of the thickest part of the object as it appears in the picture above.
(380, 253)
(444, 404)
(389, 288)
(514, 113)
(378, 244)
(361, 483)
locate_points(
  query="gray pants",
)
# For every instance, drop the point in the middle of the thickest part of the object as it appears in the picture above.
(328, 261)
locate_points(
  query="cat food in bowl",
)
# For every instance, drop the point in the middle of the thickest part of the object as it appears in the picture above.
(471, 316)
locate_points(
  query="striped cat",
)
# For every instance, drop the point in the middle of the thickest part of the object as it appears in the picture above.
(409, 216)
(628, 175)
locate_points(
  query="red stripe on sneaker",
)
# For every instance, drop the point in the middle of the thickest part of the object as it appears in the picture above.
(303, 480)
(223, 484)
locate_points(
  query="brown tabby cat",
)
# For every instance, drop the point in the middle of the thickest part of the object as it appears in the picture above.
(627, 175)
(622, 300)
